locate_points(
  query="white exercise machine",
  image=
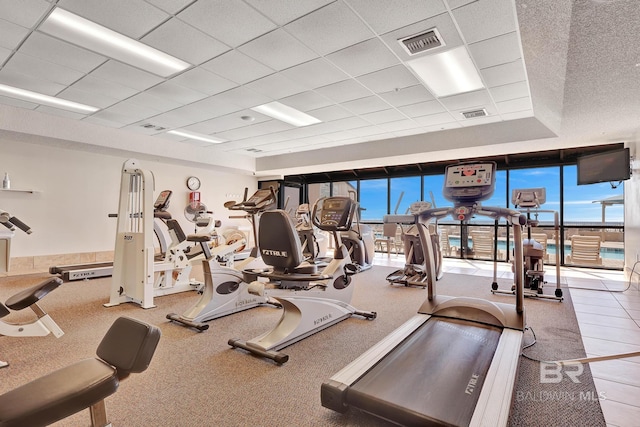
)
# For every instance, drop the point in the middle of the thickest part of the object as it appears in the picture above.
(529, 200)
(415, 271)
(42, 325)
(455, 362)
(312, 300)
(225, 291)
(137, 277)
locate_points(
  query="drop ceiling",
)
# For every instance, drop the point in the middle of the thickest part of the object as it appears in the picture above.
(555, 73)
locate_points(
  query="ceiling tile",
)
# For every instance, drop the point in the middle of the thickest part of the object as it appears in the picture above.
(277, 50)
(126, 75)
(97, 100)
(17, 103)
(385, 116)
(37, 68)
(53, 50)
(133, 110)
(230, 21)
(306, 101)
(184, 42)
(162, 103)
(314, 74)
(329, 113)
(466, 100)
(27, 14)
(263, 128)
(517, 115)
(170, 6)
(495, 51)
(11, 34)
(203, 109)
(203, 81)
(344, 91)
(102, 122)
(23, 81)
(387, 15)
(228, 122)
(243, 97)
(399, 126)
(59, 112)
(362, 58)
(176, 92)
(131, 18)
(275, 86)
(102, 87)
(389, 79)
(434, 119)
(4, 54)
(503, 74)
(122, 119)
(422, 109)
(237, 67)
(454, 4)
(408, 95)
(366, 105)
(514, 105)
(331, 28)
(510, 91)
(284, 11)
(485, 19)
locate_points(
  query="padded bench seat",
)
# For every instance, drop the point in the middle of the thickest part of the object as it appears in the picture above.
(59, 394)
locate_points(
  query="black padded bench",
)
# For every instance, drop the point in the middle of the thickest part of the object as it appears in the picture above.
(127, 347)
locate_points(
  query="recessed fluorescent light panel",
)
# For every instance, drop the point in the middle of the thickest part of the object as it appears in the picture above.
(196, 136)
(89, 35)
(51, 101)
(286, 114)
(448, 73)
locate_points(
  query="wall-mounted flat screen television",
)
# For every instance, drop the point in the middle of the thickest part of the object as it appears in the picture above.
(610, 166)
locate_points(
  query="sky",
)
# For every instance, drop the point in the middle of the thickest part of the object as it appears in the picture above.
(578, 200)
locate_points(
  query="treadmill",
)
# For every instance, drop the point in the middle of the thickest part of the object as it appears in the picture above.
(454, 363)
(105, 269)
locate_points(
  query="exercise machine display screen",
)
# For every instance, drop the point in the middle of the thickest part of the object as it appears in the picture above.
(162, 202)
(469, 182)
(259, 197)
(335, 213)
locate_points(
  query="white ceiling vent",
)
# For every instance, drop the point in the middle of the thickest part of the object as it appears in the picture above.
(474, 113)
(422, 42)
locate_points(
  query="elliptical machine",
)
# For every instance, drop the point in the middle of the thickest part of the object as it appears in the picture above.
(415, 271)
(225, 292)
(312, 300)
(359, 240)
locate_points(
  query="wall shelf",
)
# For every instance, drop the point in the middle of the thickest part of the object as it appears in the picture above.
(18, 191)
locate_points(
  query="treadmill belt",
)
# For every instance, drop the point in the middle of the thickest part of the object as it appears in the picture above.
(434, 377)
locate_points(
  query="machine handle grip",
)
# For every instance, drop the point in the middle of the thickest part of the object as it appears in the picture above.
(8, 225)
(21, 225)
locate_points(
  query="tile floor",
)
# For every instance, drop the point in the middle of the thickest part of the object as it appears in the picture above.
(609, 317)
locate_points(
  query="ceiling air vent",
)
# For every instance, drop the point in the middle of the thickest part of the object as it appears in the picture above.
(474, 113)
(422, 42)
(254, 150)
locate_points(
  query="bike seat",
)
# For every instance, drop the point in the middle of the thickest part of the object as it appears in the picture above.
(33, 294)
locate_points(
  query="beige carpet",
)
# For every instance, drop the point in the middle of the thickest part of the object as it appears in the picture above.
(196, 379)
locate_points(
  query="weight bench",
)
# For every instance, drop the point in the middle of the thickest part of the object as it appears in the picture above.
(127, 347)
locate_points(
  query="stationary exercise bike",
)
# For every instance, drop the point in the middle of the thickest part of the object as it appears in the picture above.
(415, 271)
(43, 324)
(312, 300)
(529, 200)
(225, 292)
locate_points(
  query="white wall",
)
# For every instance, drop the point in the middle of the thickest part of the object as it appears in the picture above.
(76, 190)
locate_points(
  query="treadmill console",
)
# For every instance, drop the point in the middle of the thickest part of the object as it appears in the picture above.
(468, 183)
(259, 197)
(336, 213)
